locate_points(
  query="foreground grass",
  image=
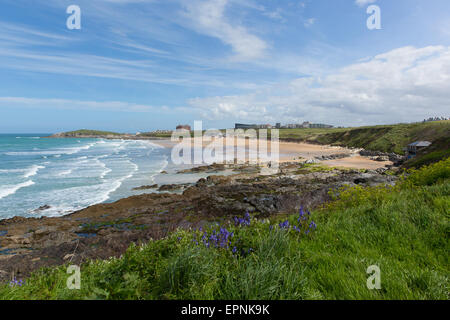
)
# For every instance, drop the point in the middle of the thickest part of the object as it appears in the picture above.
(402, 229)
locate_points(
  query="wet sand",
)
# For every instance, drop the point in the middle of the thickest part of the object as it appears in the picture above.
(357, 162)
(298, 152)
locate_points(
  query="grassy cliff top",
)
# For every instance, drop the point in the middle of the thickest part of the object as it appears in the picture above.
(85, 132)
(385, 138)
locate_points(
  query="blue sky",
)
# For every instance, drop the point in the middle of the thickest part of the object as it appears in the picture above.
(140, 65)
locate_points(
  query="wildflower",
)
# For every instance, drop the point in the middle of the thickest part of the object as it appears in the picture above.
(243, 221)
(284, 225)
(312, 225)
(301, 212)
(16, 282)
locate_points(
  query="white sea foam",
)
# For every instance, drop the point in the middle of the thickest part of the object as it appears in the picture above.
(78, 149)
(56, 152)
(80, 197)
(9, 190)
(28, 172)
(106, 172)
(65, 173)
(32, 171)
(11, 170)
(33, 153)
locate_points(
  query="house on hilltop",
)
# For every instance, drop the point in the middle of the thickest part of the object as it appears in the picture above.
(184, 127)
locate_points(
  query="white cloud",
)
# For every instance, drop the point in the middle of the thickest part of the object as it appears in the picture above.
(208, 17)
(309, 22)
(405, 84)
(67, 104)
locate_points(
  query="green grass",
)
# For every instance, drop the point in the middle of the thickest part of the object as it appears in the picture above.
(166, 135)
(85, 132)
(402, 229)
(385, 138)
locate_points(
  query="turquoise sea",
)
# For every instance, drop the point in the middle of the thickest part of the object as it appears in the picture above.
(66, 175)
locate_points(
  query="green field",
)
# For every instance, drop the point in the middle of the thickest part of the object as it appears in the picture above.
(404, 230)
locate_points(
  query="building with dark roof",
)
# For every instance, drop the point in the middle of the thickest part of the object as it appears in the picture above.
(413, 148)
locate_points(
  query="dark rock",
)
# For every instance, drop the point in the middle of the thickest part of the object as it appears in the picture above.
(154, 186)
(172, 187)
(334, 156)
(42, 208)
(382, 156)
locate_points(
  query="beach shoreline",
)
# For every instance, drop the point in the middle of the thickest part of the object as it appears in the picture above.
(303, 151)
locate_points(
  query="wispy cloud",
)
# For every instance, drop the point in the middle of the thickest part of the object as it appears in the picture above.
(67, 104)
(208, 17)
(309, 22)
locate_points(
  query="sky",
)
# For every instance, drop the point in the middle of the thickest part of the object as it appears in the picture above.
(142, 65)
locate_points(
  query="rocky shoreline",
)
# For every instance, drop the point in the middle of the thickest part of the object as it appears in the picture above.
(105, 230)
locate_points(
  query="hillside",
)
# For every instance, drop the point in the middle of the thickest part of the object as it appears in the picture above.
(85, 134)
(385, 138)
(440, 149)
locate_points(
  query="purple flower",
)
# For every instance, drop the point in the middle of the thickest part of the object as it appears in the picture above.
(284, 225)
(16, 282)
(243, 221)
(301, 212)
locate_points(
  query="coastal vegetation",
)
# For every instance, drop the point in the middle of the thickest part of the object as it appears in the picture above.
(323, 254)
(88, 133)
(384, 138)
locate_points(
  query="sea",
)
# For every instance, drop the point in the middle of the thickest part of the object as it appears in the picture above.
(53, 177)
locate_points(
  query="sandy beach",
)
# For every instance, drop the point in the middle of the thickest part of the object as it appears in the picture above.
(294, 152)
